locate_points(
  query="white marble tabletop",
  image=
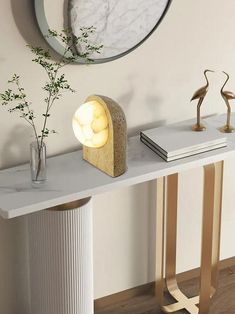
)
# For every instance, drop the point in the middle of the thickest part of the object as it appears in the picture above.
(70, 178)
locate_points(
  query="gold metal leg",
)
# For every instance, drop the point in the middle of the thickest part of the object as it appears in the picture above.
(219, 170)
(160, 227)
(212, 201)
(167, 195)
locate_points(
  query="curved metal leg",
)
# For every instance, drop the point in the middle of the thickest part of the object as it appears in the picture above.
(167, 195)
(160, 229)
(212, 203)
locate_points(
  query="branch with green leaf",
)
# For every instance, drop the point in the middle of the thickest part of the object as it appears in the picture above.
(56, 84)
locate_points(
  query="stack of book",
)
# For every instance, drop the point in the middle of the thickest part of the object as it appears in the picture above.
(177, 140)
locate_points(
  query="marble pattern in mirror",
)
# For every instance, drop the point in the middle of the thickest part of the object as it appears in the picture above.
(121, 25)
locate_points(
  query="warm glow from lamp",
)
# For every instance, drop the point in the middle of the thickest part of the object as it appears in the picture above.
(90, 124)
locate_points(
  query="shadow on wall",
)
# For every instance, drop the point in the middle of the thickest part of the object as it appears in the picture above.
(67, 21)
(151, 104)
(14, 296)
(121, 225)
(14, 289)
(16, 146)
(25, 19)
(142, 102)
(136, 130)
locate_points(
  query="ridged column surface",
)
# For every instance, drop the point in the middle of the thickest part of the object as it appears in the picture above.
(61, 261)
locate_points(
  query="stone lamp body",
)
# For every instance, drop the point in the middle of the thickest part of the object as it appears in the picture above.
(110, 157)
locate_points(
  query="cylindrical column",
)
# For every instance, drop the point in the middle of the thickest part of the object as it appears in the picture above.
(61, 259)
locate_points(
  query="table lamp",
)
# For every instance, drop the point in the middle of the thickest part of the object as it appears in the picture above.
(100, 125)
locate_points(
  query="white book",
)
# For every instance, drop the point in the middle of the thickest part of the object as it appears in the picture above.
(179, 140)
(183, 155)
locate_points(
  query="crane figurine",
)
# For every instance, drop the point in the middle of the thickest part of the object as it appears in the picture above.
(200, 95)
(227, 96)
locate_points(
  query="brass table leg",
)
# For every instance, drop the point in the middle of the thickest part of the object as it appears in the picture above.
(166, 223)
(212, 201)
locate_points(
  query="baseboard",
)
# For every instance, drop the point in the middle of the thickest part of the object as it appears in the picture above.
(149, 287)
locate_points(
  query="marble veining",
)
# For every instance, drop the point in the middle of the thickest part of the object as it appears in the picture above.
(71, 178)
(120, 24)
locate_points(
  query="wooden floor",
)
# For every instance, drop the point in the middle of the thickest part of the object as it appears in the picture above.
(222, 303)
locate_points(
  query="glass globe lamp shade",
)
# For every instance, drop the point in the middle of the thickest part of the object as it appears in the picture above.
(90, 124)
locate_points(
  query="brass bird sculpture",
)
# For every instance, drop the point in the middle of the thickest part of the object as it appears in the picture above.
(227, 96)
(200, 95)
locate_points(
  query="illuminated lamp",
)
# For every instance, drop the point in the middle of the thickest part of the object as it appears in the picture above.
(100, 125)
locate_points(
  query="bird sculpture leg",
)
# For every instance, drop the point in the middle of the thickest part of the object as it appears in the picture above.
(198, 126)
(228, 128)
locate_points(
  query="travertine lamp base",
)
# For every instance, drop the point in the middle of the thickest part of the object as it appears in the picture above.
(61, 259)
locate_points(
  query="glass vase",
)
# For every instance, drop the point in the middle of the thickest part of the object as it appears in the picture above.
(38, 162)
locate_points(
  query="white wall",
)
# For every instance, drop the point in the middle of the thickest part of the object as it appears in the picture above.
(153, 84)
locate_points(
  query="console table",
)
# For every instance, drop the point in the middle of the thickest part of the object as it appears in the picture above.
(60, 224)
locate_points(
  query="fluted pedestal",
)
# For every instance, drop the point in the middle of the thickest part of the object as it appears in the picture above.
(61, 259)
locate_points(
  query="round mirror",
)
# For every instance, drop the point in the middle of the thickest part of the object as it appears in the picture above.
(120, 25)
